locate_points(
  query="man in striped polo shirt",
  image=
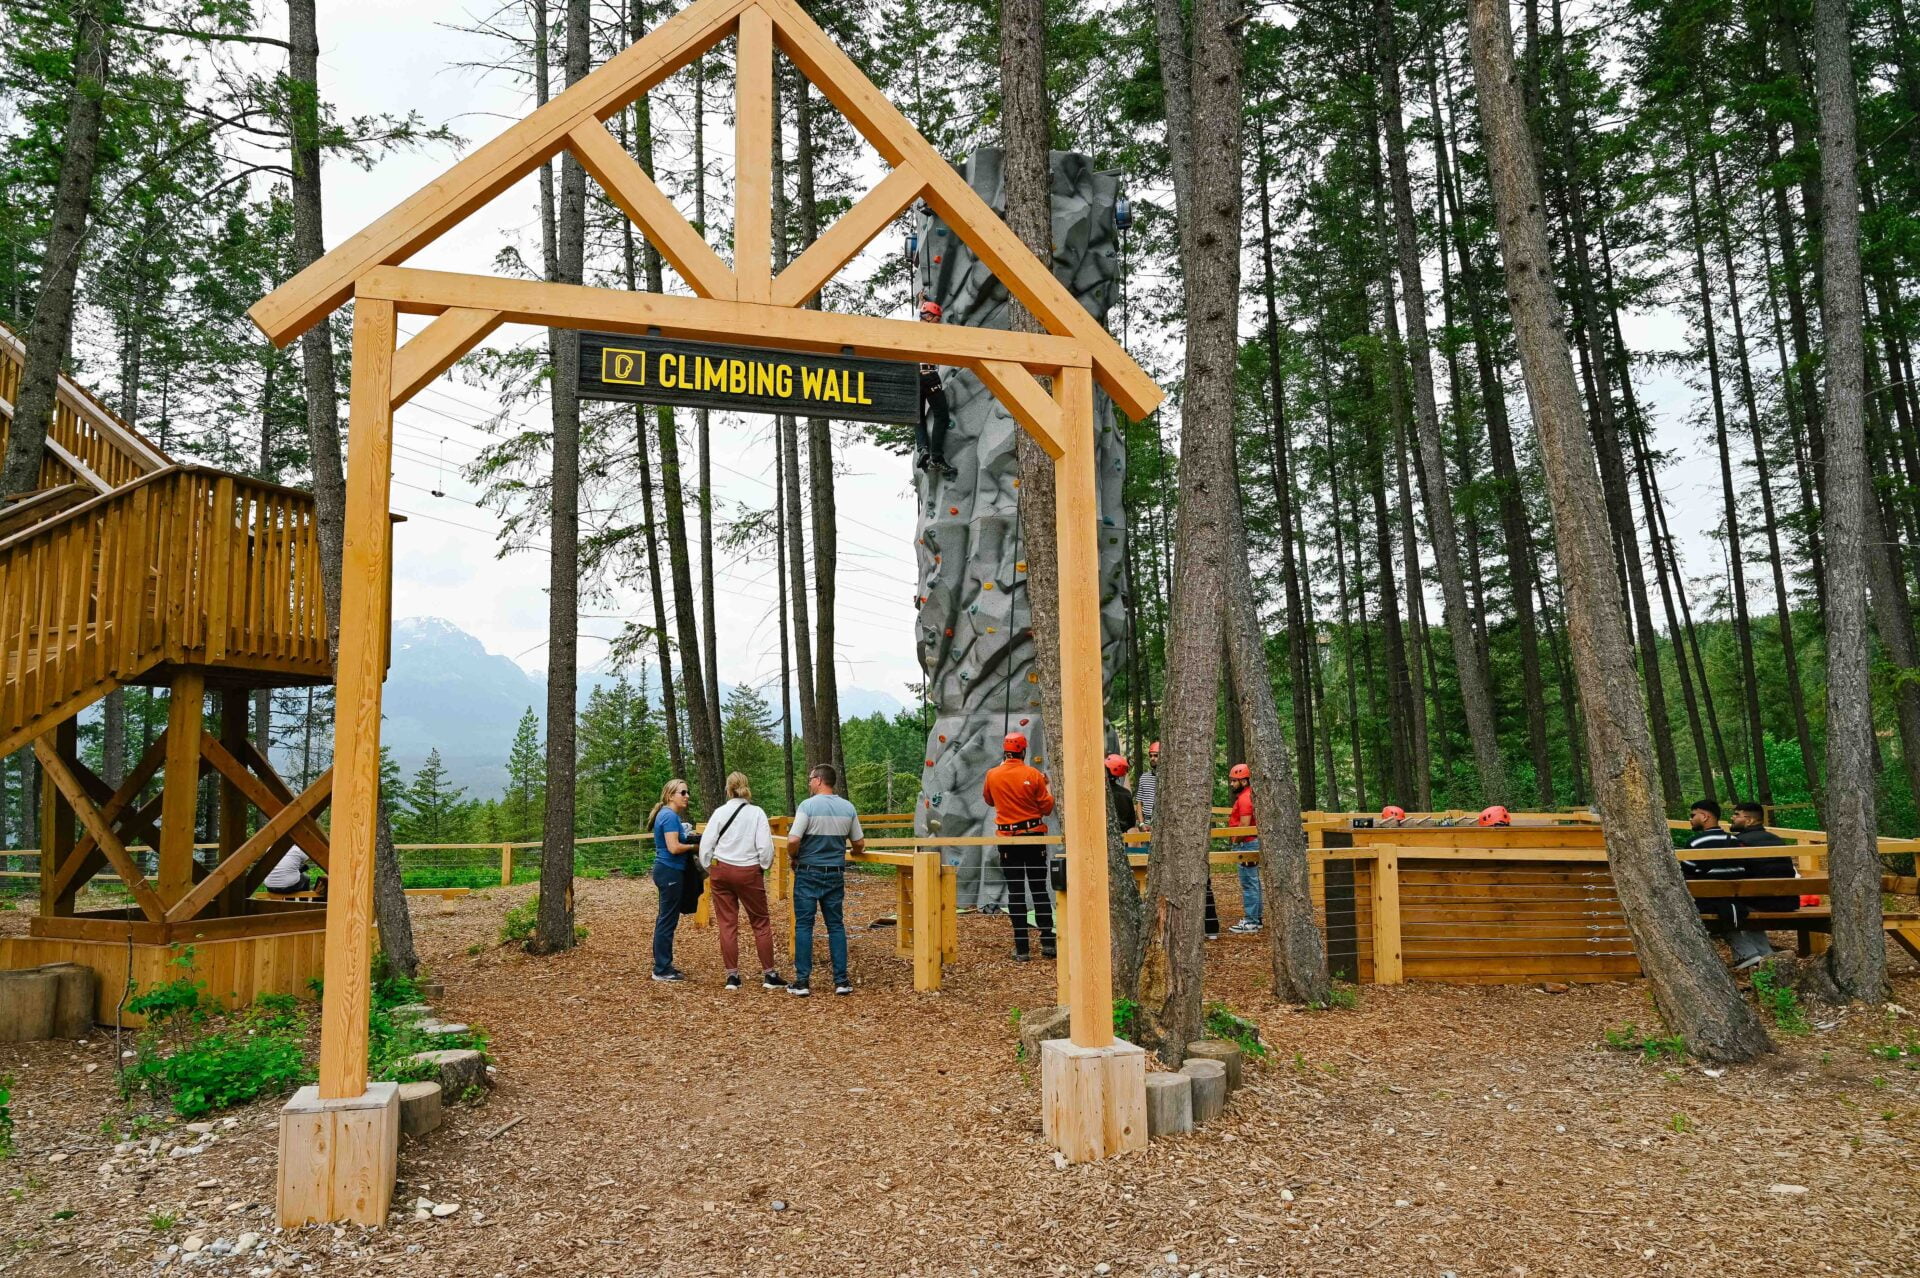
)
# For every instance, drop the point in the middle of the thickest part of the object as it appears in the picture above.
(824, 827)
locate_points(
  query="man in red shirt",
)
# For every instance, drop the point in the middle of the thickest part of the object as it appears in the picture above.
(1240, 782)
(1021, 803)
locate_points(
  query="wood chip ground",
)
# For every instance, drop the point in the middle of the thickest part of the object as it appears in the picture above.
(678, 1129)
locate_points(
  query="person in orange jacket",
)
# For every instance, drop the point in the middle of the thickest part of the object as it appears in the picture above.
(1240, 782)
(1021, 804)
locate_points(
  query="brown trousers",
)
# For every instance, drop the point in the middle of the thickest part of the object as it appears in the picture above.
(734, 886)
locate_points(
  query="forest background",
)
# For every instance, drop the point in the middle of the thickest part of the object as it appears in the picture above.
(1677, 145)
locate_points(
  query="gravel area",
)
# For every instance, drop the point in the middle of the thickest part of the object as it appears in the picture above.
(683, 1130)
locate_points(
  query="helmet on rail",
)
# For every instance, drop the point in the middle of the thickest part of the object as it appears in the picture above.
(1496, 815)
(1117, 765)
(1393, 812)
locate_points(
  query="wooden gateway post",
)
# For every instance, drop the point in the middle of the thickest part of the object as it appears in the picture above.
(337, 1139)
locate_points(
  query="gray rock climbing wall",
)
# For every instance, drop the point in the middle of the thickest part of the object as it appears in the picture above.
(974, 637)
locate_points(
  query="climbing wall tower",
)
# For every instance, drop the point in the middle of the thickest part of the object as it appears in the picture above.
(974, 639)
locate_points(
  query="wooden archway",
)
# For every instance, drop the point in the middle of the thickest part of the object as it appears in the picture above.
(1093, 1087)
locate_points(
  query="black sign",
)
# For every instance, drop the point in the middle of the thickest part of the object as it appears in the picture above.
(747, 379)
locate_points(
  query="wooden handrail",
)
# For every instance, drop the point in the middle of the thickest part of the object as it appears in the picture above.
(85, 441)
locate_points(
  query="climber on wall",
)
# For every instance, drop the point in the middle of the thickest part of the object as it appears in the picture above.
(930, 432)
(1021, 803)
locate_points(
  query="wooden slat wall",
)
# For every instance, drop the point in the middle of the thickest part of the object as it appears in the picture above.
(1511, 921)
(235, 972)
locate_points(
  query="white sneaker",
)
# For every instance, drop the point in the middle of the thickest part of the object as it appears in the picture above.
(1244, 926)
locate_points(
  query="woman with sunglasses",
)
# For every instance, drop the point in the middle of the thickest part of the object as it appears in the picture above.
(673, 842)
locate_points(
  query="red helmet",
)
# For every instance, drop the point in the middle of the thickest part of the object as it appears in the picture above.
(930, 309)
(1016, 743)
(1154, 748)
(1496, 815)
(1393, 812)
(1239, 772)
(1117, 765)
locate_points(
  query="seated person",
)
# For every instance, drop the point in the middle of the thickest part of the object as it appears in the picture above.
(1750, 946)
(291, 878)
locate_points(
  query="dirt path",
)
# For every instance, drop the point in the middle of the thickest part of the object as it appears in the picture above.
(682, 1130)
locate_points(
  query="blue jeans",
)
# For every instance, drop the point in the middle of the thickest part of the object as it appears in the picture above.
(1252, 902)
(825, 887)
(669, 881)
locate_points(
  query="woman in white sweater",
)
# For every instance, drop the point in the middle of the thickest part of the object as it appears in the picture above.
(736, 851)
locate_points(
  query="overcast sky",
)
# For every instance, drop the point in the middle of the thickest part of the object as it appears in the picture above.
(377, 56)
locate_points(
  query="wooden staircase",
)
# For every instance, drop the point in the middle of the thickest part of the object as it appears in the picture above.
(126, 567)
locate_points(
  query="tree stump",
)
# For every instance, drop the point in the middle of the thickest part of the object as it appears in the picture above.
(73, 1004)
(1169, 1104)
(1041, 1024)
(1219, 1049)
(459, 1069)
(1209, 1088)
(421, 1109)
(27, 1002)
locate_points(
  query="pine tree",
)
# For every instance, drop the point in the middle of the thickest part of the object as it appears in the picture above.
(432, 810)
(523, 805)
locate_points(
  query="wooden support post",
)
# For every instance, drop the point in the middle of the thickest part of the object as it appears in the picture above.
(1093, 1100)
(753, 117)
(926, 919)
(905, 880)
(1063, 948)
(506, 865)
(949, 914)
(57, 824)
(1386, 919)
(364, 604)
(181, 782)
(233, 801)
(1080, 776)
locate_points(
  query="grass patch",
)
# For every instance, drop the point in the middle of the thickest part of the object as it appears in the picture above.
(6, 1116)
(1905, 1054)
(1224, 1023)
(1780, 1000)
(1126, 1018)
(518, 927)
(1628, 1038)
(1340, 996)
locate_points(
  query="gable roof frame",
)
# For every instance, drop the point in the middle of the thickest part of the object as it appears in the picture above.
(574, 121)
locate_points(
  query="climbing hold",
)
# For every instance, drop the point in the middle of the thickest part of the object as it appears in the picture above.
(930, 761)
(1016, 483)
(949, 632)
(1024, 722)
(992, 631)
(1033, 676)
(1021, 566)
(986, 585)
(943, 739)
(953, 510)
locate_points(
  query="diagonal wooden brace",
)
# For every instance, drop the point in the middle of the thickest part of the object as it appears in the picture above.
(119, 809)
(263, 796)
(83, 807)
(278, 826)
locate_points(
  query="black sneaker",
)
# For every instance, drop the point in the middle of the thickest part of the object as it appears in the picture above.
(773, 981)
(1021, 956)
(940, 466)
(1047, 950)
(800, 989)
(733, 981)
(675, 975)
(843, 988)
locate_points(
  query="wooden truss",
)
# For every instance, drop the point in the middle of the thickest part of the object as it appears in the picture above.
(742, 301)
(92, 827)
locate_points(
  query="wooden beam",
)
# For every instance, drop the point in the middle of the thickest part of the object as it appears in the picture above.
(536, 302)
(70, 876)
(361, 667)
(56, 817)
(235, 866)
(435, 349)
(308, 297)
(255, 791)
(1038, 415)
(1078, 775)
(753, 125)
(1011, 262)
(186, 708)
(843, 240)
(320, 850)
(641, 199)
(76, 796)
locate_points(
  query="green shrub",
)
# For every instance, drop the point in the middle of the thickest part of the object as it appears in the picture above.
(227, 1066)
(6, 1116)
(1343, 997)
(517, 927)
(1906, 1054)
(1780, 1000)
(392, 1044)
(1223, 1023)
(1126, 1018)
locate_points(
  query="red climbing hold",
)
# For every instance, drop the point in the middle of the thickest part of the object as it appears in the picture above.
(929, 763)
(953, 510)
(949, 632)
